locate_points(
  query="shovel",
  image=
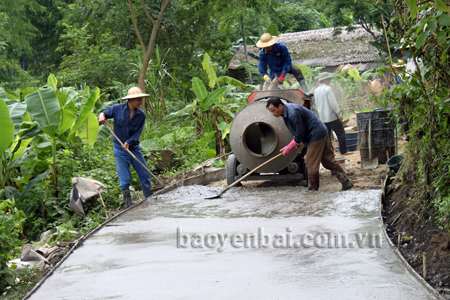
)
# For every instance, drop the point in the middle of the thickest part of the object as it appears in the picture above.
(243, 177)
(132, 155)
(372, 163)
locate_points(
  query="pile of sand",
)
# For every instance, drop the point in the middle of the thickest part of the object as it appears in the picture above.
(350, 124)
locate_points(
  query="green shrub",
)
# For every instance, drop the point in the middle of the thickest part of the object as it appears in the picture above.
(11, 220)
(77, 160)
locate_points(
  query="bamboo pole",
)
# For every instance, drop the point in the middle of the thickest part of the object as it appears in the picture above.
(424, 256)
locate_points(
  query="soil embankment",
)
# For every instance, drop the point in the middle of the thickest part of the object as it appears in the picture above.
(421, 242)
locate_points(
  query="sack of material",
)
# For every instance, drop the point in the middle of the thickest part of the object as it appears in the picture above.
(374, 87)
(82, 190)
(273, 85)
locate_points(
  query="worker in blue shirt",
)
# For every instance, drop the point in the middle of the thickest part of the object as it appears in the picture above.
(277, 57)
(308, 130)
(129, 121)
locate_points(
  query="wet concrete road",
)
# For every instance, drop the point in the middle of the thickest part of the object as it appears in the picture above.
(306, 245)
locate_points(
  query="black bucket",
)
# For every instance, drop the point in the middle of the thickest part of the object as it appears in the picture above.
(383, 134)
(395, 162)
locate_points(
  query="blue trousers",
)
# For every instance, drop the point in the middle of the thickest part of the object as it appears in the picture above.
(123, 161)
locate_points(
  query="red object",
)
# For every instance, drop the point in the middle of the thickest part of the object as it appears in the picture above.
(292, 145)
(281, 78)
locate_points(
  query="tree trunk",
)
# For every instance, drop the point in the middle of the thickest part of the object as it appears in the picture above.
(220, 147)
(148, 52)
(245, 43)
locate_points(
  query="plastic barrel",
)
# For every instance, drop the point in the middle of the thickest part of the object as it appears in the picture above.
(351, 135)
(351, 139)
(383, 135)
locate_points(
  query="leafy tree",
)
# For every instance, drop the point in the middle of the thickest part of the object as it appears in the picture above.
(294, 17)
(210, 109)
(147, 51)
(48, 23)
(15, 35)
(92, 60)
(17, 27)
(348, 13)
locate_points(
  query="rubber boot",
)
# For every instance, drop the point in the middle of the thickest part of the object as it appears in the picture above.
(313, 182)
(343, 178)
(303, 86)
(127, 197)
(147, 194)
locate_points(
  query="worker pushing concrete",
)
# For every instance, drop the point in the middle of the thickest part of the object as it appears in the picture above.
(129, 121)
(277, 57)
(308, 130)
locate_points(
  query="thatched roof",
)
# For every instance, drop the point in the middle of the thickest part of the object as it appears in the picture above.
(321, 48)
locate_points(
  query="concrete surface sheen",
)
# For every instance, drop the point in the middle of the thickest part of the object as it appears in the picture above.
(145, 253)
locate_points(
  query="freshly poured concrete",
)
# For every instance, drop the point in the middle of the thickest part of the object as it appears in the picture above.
(137, 257)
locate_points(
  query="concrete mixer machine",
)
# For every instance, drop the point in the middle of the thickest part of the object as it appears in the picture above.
(256, 136)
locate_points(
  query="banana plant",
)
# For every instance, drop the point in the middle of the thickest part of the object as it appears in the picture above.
(210, 109)
(23, 130)
(43, 106)
(86, 124)
(56, 112)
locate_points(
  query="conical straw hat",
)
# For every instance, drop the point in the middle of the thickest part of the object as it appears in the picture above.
(135, 92)
(266, 40)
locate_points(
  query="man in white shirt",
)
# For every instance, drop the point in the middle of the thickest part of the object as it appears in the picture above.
(329, 112)
(412, 61)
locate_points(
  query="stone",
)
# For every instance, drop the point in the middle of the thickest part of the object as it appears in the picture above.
(25, 249)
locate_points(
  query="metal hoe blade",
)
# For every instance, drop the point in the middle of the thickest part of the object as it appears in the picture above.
(243, 177)
(372, 163)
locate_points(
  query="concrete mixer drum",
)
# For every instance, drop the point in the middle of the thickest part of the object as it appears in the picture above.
(256, 136)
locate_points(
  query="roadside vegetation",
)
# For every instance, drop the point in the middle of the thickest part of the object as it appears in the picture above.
(423, 98)
(62, 62)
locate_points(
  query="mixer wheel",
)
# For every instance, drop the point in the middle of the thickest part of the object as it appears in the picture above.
(230, 169)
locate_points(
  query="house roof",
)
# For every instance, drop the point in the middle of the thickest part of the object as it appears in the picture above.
(320, 48)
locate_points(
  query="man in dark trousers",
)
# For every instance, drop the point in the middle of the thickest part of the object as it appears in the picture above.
(309, 130)
(129, 121)
(277, 56)
(329, 112)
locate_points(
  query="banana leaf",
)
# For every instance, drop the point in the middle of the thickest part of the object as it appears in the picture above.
(67, 119)
(30, 131)
(187, 109)
(224, 128)
(199, 89)
(232, 81)
(89, 129)
(208, 67)
(85, 112)
(43, 106)
(16, 112)
(7, 127)
(208, 129)
(22, 147)
(3, 94)
(209, 100)
(52, 82)
(273, 30)
(103, 133)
